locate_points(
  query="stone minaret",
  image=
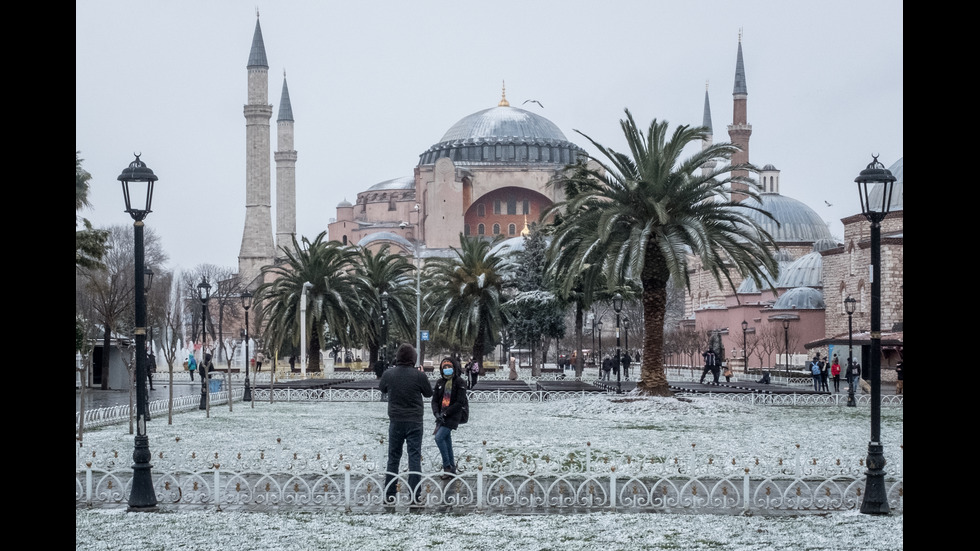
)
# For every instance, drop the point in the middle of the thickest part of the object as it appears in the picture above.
(257, 245)
(285, 175)
(709, 166)
(740, 130)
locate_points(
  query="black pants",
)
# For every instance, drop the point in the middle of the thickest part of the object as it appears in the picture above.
(715, 371)
(473, 378)
(409, 435)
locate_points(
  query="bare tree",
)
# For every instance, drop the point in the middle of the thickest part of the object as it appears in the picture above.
(769, 340)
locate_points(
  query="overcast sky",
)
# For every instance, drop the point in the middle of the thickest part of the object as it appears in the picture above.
(374, 84)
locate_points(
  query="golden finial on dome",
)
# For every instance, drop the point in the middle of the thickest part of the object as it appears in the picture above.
(503, 95)
(526, 231)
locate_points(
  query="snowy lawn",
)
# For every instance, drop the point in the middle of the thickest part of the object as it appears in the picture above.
(614, 426)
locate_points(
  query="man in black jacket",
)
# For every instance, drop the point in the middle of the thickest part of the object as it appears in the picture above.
(405, 386)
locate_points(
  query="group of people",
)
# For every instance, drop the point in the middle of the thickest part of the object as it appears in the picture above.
(406, 387)
(823, 371)
(611, 367)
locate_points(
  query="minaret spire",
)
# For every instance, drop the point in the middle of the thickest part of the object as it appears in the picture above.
(740, 130)
(285, 174)
(503, 95)
(708, 139)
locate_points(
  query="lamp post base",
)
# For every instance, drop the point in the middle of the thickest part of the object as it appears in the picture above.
(247, 396)
(851, 402)
(141, 495)
(875, 496)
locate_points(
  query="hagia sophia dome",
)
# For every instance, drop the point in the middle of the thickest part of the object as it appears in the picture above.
(795, 222)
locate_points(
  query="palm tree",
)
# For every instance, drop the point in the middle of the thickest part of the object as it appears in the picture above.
(640, 216)
(331, 302)
(384, 272)
(465, 292)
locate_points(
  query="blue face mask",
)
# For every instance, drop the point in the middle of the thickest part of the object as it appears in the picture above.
(448, 371)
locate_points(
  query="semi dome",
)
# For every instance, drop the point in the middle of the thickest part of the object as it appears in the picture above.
(503, 134)
(783, 259)
(800, 298)
(805, 271)
(797, 223)
(407, 182)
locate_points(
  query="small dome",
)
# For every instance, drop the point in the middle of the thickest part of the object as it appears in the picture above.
(797, 223)
(805, 271)
(800, 298)
(783, 259)
(825, 244)
(344, 203)
(769, 167)
(407, 182)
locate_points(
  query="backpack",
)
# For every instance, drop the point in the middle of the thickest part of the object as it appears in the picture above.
(474, 367)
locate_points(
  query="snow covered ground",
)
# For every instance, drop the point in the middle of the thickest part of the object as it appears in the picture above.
(607, 423)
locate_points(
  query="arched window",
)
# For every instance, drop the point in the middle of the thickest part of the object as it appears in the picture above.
(481, 210)
(512, 229)
(496, 229)
(345, 240)
(480, 230)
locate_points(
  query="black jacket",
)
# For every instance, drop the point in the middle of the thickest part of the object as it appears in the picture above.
(457, 399)
(405, 386)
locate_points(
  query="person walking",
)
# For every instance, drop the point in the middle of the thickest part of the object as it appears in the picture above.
(606, 368)
(448, 402)
(835, 373)
(191, 365)
(473, 369)
(815, 372)
(626, 366)
(259, 358)
(899, 380)
(710, 365)
(512, 363)
(405, 386)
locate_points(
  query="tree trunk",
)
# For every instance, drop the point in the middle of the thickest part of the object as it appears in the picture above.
(579, 358)
(653, 378)
(313, 354)
(107, 335)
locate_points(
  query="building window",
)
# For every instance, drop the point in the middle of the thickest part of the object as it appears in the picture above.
(496, 229)
(527, 207)
(345, 240)
(480, 230)
(512, 229)
(466, 230)
(496, 206)
(511, 204)
(481, 210)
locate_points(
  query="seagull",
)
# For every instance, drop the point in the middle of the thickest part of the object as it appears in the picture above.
(533, 101)
(828, 204)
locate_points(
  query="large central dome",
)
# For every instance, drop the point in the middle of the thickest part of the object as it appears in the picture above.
(503, 135)
(794, 222)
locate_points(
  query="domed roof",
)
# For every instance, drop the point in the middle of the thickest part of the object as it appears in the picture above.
(798, 223)
(407, 182)
(805, 271)
(800, 298)
(344, 203)
(783, 259)
(470, 139)
(898, 190)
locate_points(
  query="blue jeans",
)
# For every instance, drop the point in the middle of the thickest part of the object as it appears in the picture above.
(407, 433)
(444, 441)
(816, 382)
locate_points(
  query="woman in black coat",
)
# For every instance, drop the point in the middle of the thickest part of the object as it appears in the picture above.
(448, 401)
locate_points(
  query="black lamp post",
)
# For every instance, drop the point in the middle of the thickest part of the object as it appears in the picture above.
(618, 307)
(246, 304)
(875, 185)
(626, 332)
(384, 329)
(142, 497)
(204, 294)
(786, 344)
(592, 320)
(147, 283)
(599, 329)
(745, 350)
(850, 305)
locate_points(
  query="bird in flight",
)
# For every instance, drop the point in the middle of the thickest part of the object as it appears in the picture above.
(533, 101)
(828, 204)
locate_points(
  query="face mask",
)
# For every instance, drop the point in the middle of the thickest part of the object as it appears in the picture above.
(448, 371)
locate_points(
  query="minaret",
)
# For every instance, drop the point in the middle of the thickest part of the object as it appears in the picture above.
(708, 139)
(740, 130)
(257, 245)
(285, 174)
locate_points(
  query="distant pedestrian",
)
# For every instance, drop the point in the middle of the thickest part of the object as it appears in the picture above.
(824, 375)
(473, 370)
(512, 363)
(151, 368)
(853, 375)
(710, 365)
(259, 358)
(448, 402)
(899, 379)
(626, 366)
(606, 368)
(191, 364)
(728, 374)
(815, 372)
(835, 373)
(405, 386)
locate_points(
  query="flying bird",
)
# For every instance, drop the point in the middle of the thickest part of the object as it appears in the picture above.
(533, 101)
(828, 204)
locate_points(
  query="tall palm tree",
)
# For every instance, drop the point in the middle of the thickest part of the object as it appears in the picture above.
(328, 266)
(384, 272)
(639, 217)
(465, 292)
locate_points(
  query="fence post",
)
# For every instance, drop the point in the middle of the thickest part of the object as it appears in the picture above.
(217, 485)
(746, 502)
(347, 488)
(612, 489)
(88, 483)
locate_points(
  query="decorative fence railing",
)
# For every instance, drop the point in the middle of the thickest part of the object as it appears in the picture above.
(582, 480)
(99, 417)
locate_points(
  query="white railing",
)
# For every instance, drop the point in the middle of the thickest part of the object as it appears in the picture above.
(582, 480)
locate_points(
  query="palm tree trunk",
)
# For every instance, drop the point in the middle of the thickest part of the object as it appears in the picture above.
(579, 358)
(653, 378)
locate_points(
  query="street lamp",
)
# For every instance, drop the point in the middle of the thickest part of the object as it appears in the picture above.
(786, 344)
(850, 305)
(204, 294)
(626, 331)
(142, 497)
(599, 329)
(618, 307)
(246, 304)
(745, 355)
(875, 185)
(384, 329)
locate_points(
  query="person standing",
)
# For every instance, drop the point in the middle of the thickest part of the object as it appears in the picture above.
(191, 365)
(606, 368)
(710, 365)
(448, 401)
(474, 371)
(835, 373)
(626, 366)
(853, 375)
(512, 363)
(899, 380)
(259, 358)
(824, 376)
(815, 372)
(405, 386)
